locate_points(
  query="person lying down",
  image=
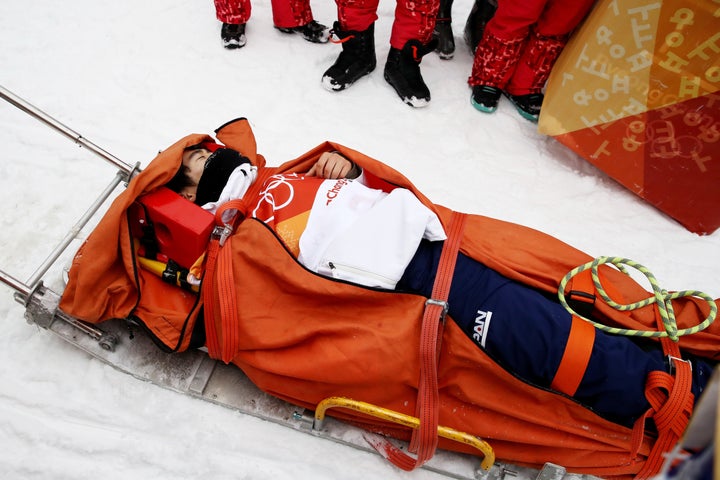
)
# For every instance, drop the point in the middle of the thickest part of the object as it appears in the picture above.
(338, 226)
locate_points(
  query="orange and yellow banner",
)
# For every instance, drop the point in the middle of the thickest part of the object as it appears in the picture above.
(636, 93)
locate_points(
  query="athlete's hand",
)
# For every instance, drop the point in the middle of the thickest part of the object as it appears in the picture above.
(331, 165)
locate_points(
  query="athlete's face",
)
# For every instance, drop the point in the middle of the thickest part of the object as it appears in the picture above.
(194, 163)
(189, 193)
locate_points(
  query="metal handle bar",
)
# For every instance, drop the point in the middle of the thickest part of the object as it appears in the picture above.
(125, 173)
(129, 170)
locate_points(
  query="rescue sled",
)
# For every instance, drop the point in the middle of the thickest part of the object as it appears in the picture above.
(123, 344)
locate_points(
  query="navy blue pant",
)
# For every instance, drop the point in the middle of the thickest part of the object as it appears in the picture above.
(526, 331)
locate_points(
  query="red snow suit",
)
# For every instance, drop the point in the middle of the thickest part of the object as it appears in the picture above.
(286, 13)
(414, 20)
(303, 337)
(522, 41)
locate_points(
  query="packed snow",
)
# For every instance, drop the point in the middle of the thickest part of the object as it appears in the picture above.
(135, 76)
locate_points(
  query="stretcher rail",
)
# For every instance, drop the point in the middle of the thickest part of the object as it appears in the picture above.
(128, 169)
(25, 290)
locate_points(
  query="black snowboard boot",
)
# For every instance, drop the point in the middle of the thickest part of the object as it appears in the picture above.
(485, 98)
(481, 13)
(443, 31)
(527, 105)
(312, 31)
(356, 59)
(233, 35)
(402, 71)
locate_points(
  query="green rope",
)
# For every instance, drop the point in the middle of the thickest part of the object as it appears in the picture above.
(661, 297)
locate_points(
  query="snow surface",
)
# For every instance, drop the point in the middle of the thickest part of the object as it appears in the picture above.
(135, 76)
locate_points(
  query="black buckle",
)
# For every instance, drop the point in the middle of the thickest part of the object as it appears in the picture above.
(582, 303)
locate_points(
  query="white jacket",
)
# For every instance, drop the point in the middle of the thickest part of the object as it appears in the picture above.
(350, 231)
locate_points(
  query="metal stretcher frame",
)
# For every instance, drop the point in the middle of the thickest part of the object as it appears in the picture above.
(206, 381)
(31, 293)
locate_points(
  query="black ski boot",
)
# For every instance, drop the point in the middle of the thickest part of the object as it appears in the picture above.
(356, 59)
(233, 35)
(443, 31)
(481, 13)
(402, 71)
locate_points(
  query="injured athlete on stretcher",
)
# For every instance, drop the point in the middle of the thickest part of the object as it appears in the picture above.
(317, 285)
(337, 226)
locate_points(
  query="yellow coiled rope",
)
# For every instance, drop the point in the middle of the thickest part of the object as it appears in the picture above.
(663, 298)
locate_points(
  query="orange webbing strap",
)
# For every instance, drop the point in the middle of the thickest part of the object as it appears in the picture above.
(425, 438)
(220, 277)
(671, 405)
(575, 358)
(211, 338)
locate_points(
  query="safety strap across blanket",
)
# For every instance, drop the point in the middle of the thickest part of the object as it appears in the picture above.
(425, 439)
(671, 405)
(218, 265)
(668, 393)
(576, 357)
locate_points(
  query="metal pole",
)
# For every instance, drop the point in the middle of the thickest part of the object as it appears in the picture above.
(130, 170)
(124, 174)
(27, 288)
(15, 284)
(73, 233)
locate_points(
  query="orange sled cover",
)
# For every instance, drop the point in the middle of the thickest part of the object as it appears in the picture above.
(303, 337)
